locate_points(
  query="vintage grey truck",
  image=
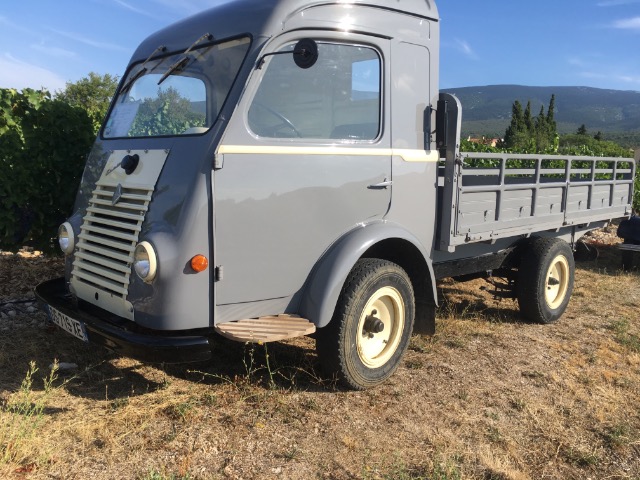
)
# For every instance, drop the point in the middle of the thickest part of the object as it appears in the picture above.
(276, 168)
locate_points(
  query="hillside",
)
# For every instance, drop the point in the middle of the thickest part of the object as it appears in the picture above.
(487, 110)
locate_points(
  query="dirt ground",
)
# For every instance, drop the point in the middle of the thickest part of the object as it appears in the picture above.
(487, 397)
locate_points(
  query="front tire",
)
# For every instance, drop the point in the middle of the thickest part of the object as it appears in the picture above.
(371, 326)
(545, 279)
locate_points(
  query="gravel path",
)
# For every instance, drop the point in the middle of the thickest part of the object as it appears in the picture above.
(19, 313)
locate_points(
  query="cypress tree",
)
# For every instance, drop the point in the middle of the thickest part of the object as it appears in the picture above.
(541, 134)
(517, 126)
(528, 120)
(551, 121)
(541, 121)
(552, 126)
(528, 134)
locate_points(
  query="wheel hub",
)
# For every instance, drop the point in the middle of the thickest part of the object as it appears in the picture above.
(380, 327)
(372, 324)
(557, 282)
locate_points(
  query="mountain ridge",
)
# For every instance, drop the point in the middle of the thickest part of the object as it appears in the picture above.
(486, 110)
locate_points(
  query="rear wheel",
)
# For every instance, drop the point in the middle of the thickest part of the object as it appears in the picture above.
(545, 279)
(371, 327)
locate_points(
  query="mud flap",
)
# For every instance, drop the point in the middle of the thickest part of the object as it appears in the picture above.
(425, 322)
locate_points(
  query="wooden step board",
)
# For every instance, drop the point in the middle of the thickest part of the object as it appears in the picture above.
(266, 329)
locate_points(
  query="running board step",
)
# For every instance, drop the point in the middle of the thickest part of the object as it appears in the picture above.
(266, 329)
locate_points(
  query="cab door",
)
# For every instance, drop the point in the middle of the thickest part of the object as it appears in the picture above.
(306, 158)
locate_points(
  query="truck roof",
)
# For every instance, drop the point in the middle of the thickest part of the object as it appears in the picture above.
(265, 18)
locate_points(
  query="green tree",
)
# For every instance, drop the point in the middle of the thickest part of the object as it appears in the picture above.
(541, 132)
(93, 93)
(516, 133)
(528, 135)
(580, 144)
(528, 119)
(582, 130)
(42, 154)
(551, 113)
(167, 114)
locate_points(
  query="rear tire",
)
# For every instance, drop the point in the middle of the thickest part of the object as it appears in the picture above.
(371, 326)
(545, 279)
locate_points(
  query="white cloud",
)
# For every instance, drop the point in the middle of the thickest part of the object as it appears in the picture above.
(188, 7)
(137, 10)
(630, 80)
(88, 41)
(465, 48)
(18, 74)
(8, 23)
(577, 62)
(628, 23)
(594, 67)
(53, 51)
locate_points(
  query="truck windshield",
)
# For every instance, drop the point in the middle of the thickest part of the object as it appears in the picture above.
(185, 102)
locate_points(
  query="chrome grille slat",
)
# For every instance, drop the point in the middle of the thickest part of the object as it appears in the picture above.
(130, 197)
(108, 286)
(110, 233)
(112, 223)
(107, 190)
(130, 206)
(101, 272)
(123, 246)
(102, 259)
(113, 213)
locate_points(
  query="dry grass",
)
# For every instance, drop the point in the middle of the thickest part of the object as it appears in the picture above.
(487, 397)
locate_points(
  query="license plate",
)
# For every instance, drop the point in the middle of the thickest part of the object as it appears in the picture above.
(68, 324)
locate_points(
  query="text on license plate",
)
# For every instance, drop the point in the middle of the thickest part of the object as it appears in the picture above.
(74, 327)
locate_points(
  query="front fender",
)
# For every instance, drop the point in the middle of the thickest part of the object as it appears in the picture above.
(325, 282)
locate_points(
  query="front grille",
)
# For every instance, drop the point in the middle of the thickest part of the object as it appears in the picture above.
(108, 237)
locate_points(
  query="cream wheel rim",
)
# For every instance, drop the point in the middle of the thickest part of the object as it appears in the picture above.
(377, 345)
(557, 282)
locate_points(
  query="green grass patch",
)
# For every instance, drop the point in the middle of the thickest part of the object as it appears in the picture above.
(623, 335)
(22, 415)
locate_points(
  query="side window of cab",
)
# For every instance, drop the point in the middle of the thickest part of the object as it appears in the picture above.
(338, 98)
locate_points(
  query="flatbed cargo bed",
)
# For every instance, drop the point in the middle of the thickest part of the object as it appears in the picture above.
(488, 196)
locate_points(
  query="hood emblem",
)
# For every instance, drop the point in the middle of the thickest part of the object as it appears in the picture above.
(117, 195)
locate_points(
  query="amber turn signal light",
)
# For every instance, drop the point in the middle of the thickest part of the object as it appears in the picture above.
(199, 263)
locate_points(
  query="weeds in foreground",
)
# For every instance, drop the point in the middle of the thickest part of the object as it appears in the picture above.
(581, 458)
(22, 415)
(618, 436)
(181, 411)
(163, 476)
(621, 330)
(264, 370)
(401, 471)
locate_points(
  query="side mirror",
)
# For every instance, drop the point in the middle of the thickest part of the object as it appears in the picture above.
(305, 53)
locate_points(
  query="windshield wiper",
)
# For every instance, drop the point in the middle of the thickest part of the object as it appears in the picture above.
(142, 70)
(182, 62)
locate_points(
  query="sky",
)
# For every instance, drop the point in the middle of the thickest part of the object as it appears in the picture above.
(595, 43)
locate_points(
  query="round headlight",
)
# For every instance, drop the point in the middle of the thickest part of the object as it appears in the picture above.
(144, 261)
(66, 239)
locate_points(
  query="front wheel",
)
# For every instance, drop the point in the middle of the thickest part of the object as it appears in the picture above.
(371, 327)
(545, 279)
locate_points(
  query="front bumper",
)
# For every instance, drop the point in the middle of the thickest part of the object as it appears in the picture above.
(123, 336)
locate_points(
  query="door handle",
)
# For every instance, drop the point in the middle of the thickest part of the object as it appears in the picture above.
(380, 186)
